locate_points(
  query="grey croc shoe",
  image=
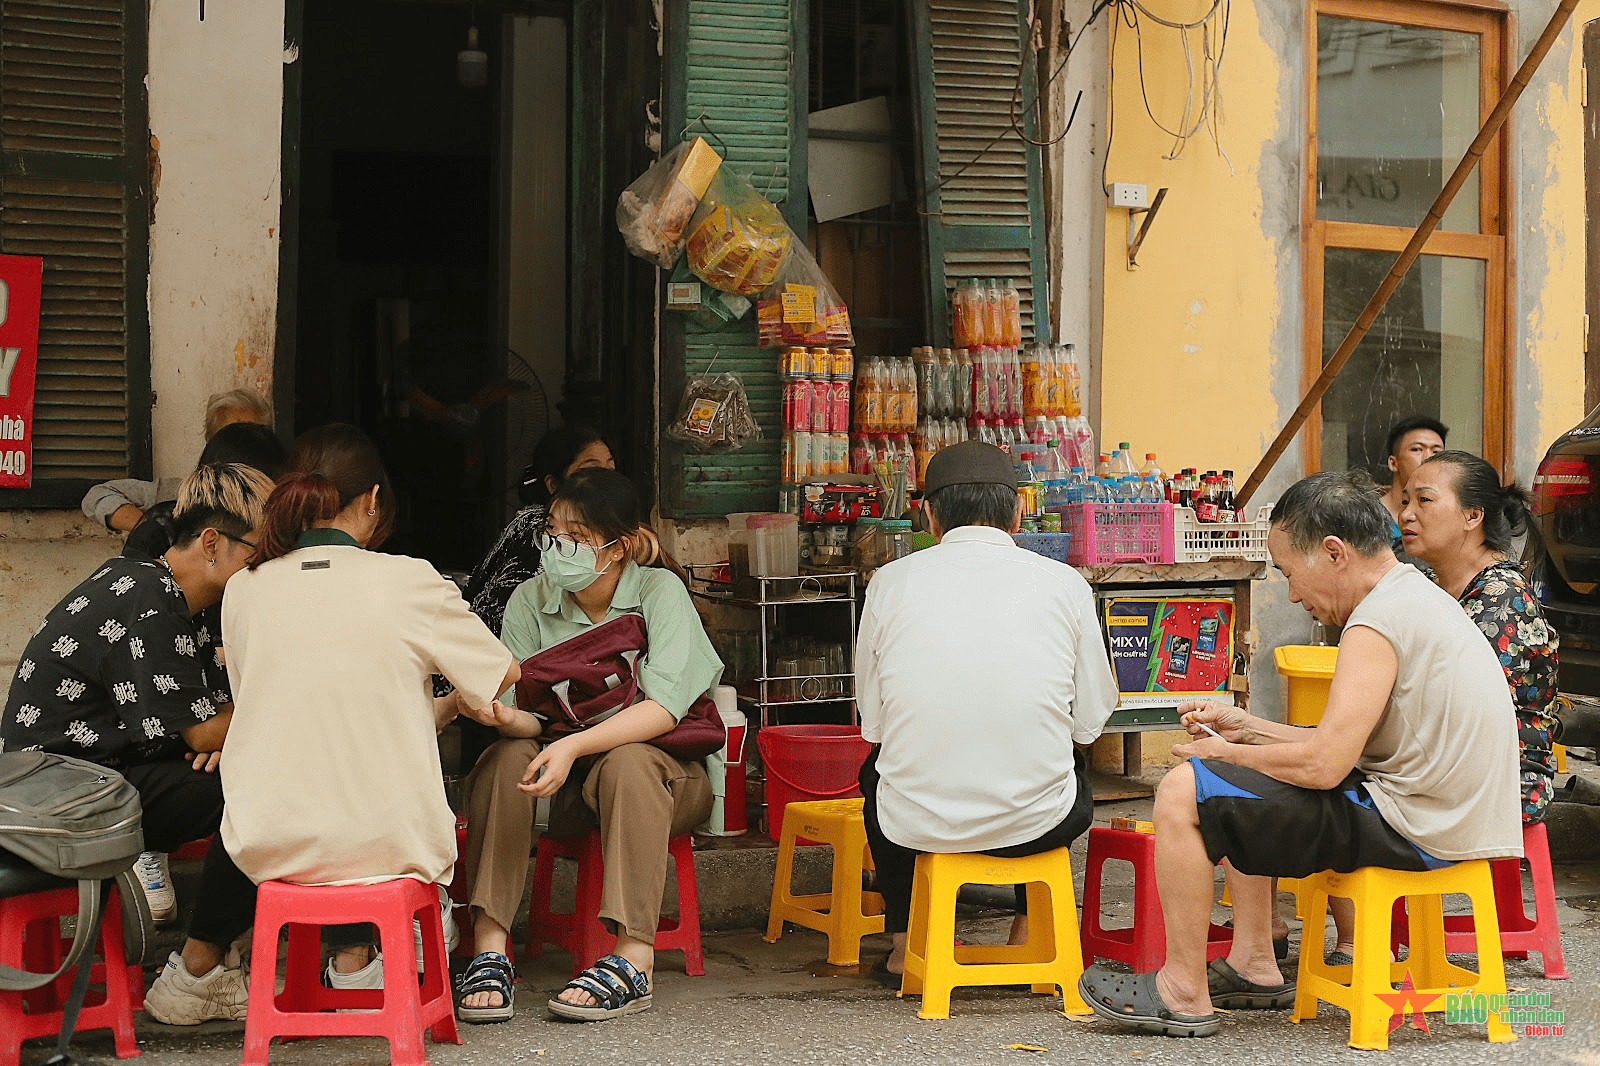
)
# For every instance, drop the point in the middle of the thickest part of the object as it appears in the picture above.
(1131, 999)
(1231, 990)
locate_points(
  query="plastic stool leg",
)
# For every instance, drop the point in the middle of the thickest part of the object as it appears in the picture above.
(1536, 845)
(938, 946)
(1090, 933)
(1369, 1025)
(263, 986)
(780, 886)
(694, 963)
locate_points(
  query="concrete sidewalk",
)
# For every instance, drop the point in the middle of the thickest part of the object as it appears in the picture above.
(781, 1003)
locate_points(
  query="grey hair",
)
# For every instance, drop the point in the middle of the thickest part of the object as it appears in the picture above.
(1335, 503)
(973, 505)
(248, 401)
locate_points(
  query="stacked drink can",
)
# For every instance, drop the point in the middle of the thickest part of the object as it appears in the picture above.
(816, 412)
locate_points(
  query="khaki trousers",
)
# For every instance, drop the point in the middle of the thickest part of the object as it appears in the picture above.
(637, 795)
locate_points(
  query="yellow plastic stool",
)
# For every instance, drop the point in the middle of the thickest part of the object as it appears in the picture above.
(1051, 958)
(1357, 987)
(845, 913)
(1561, 757)
(1308, 673)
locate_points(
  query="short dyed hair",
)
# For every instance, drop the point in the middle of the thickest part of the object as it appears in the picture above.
(226, 497)
(1334, 503)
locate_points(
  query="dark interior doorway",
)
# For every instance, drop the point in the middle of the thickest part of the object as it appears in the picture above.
(397, 278)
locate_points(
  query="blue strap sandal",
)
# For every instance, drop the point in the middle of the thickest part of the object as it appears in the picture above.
(489, 972)
(617, 986)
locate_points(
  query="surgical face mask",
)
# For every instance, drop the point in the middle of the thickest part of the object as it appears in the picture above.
(570, 565)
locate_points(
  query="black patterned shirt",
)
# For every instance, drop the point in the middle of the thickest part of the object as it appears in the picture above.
(116, 671)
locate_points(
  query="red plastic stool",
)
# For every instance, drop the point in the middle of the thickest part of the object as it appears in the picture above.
(1143, 945)
(1519, 933)
(580, 930)
(401, 1010)
(30, 939)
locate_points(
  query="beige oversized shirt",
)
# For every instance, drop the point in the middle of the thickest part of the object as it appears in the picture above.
(331, 770)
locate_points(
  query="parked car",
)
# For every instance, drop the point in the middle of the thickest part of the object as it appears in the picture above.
(1566, 568)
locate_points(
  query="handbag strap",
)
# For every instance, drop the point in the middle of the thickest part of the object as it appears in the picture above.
(80, 984)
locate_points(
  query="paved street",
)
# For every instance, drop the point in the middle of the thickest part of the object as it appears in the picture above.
(770, 1003)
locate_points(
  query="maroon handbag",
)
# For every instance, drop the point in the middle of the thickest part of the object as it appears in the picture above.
(590, 676)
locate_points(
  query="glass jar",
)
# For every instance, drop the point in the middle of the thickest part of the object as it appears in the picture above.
(867, 548)
(897, 536)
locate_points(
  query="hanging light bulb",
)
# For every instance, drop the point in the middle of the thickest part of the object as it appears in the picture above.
(472, 64)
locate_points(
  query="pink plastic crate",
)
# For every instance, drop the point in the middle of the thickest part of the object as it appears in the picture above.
(1105, 533)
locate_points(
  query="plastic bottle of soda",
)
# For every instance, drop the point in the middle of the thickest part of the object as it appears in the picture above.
(994, 328)
(1227, 508)
(961, 315)
(1010, 313)
(1033, 380)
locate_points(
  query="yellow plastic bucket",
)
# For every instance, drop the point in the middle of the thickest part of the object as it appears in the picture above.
(1308, 670)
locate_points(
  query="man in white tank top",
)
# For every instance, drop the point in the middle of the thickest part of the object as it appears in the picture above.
(1413, 766)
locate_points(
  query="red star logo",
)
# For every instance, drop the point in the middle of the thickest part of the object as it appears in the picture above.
(1408, 998)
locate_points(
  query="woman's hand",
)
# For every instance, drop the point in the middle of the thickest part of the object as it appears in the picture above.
(548, 771)
(496, 715)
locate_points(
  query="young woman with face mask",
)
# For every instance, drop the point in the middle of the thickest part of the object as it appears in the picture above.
(607, 776)
(1459, 519)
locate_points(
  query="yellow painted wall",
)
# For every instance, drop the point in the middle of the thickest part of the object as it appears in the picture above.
(1193, 338)
(1548, 392)
(1187, 351)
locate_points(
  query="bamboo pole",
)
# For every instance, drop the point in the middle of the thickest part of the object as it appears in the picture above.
(1413, 248)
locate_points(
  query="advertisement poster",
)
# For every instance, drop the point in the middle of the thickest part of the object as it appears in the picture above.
(1171, 646)
(21, 279)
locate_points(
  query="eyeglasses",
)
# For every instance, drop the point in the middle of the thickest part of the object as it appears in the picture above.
(565, 544)
(239, 540)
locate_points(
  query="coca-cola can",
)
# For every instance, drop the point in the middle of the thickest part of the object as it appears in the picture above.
(840, 405)
(800, 405)
(821, 406)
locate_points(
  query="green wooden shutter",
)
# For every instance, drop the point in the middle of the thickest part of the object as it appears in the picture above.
(982, 185)
(737, 73)
(74, 164)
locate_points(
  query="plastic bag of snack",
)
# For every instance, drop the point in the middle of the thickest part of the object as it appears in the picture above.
(655, 211)
(714, 414)
(710, 308)
(737, 239)
(801, 308)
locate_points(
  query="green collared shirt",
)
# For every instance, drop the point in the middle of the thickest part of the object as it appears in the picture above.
(326, 536)
(681, 665)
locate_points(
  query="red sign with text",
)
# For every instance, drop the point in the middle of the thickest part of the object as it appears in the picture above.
(21, 279)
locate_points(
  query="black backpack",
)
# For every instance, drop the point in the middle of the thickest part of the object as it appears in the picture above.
(73, 820)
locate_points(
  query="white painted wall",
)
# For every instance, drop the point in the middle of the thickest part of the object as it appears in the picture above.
(216, 109)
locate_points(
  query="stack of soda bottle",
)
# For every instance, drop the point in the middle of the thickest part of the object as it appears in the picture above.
(816, 412)
(1050, 480)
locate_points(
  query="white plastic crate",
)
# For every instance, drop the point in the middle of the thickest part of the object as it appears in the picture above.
(1194, 541)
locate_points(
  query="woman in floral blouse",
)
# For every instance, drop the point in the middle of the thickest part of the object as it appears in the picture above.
(1460, 520)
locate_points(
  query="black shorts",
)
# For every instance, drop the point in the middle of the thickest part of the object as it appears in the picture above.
(1271, 829)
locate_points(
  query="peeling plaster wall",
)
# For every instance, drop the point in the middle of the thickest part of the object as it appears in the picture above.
(1548, 209)
(216, 107)
(216, 103)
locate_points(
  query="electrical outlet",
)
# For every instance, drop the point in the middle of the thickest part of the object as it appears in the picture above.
(1124, 194)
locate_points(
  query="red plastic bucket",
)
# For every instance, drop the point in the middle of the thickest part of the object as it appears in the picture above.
(809, 762)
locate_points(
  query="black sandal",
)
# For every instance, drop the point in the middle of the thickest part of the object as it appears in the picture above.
(489, 972)
(1132, 999)
(617, 986)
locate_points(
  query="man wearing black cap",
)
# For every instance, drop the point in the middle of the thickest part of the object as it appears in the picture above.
(979, 665)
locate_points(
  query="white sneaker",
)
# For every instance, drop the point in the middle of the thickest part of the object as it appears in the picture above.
(151, 869)
(452, 934)
(369, 976)
(180, 998)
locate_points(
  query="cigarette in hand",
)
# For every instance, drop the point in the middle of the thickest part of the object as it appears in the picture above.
(1213, 732)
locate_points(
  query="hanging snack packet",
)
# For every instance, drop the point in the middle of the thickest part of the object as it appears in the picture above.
(711, 308)
(714, 414)
(737, 240)
(801, 308)
(655, 211)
